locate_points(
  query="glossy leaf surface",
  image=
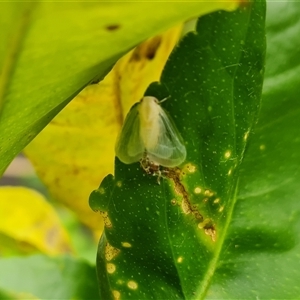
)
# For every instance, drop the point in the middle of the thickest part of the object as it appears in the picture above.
(260, 257)
(94, 117)
(50, 51)
(165, 241)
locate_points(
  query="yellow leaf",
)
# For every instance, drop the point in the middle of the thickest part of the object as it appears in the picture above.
(29, 223)
(76, 150)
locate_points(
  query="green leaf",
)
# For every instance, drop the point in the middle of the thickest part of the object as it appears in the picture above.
(166, 241)
(7, 296)
(48, 278)
(260, 258)
(50, 51)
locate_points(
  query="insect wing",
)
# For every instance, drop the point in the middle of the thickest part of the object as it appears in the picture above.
(129, 147)
(169, 151)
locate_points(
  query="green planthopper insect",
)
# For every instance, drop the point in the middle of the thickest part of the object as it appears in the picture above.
(148, 132)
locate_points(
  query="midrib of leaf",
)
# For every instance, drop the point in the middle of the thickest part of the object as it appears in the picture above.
(201, 292)
(13, 49)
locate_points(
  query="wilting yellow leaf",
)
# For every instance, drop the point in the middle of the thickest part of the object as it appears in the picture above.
(76, 150)
(29, 224)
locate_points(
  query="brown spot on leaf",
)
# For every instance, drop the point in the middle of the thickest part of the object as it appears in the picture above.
(146, 50)
(187, 207)
(152, 48)
(207, 225)
(211, 232)
(209, 228)
(112, 27)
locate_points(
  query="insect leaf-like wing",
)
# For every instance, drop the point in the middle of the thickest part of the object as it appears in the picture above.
(169, 150)
(129, 147)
